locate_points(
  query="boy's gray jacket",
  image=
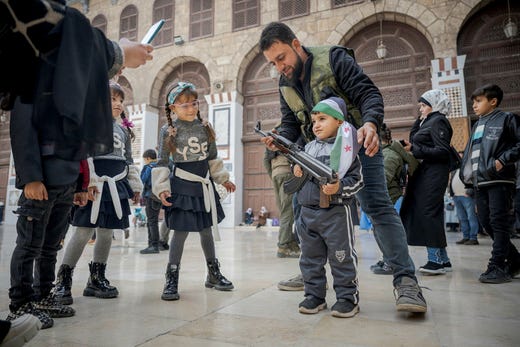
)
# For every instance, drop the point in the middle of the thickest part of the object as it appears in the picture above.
(351, 183)
(500, 141)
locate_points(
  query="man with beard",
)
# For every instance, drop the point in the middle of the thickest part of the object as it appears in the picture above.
(311, 74)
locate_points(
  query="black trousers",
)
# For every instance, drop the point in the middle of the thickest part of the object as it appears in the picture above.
(153, 208)
(496, 214)
(40, 227)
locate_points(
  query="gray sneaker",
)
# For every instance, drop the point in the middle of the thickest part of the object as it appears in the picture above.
(408, 296)
(292, 284)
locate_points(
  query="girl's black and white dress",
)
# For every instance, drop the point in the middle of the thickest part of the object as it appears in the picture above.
(195, 201)
(117, 179)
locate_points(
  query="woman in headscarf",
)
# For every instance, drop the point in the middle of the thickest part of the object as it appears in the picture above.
(422, 210)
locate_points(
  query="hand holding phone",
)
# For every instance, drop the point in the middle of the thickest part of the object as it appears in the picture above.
(152, 32)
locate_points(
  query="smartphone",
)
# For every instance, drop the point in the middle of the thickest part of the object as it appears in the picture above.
(152, 32)
(402, 143)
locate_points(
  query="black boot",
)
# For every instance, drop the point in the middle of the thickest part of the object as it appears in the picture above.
(172, 281)
(215, 279)
(63, 285)
(97, 284)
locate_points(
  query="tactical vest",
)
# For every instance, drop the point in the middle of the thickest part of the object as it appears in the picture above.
(321, 76)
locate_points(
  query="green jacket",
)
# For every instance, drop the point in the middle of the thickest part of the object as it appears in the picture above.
(395, 158)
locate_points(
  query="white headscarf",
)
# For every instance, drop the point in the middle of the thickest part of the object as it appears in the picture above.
(438, 101)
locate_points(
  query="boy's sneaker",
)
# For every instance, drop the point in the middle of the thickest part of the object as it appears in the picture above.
(22, 329)
(28, 308)
(312, 305)
(378, 264)
(462, 241)
(292, 284)
(344, 308)
(385, 269)
(150, 250)
(432, 268)
(495, 274)
(163, 246)
(471, 243)
(514, 268)
(447, 267)
(408, 296)
(53, 307)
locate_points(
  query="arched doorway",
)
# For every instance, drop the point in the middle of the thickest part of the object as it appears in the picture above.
(490, 56)
(402, 76)
(261, 102)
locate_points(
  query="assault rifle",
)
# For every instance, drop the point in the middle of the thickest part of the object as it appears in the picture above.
(310, 165)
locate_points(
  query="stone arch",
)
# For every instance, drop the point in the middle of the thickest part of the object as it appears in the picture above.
(403, 75)
(490, 56)
(356, 28)
(180, 69)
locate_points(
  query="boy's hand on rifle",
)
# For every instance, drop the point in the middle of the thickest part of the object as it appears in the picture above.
(330, 188)
(35, 191)
(297, 170)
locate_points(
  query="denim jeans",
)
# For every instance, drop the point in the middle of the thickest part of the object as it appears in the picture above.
(437, 255)
(465, 207)
(40, 226)
(496, 214)
(388, 228)
(153, 208)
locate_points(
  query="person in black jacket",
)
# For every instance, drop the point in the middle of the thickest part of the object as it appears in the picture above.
(422, 210)
(488, 165)
(60, 113)
(312, 74)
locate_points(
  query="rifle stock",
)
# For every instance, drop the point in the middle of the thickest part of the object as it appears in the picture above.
(310, 165)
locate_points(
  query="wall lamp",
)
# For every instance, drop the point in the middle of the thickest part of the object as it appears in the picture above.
(178, 40)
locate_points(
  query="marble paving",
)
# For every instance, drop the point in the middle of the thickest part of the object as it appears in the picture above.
(461, 312)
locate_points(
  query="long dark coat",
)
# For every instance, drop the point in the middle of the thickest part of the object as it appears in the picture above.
(422, 210)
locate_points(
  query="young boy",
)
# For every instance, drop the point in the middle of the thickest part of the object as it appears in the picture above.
(328, 232)
(489, 166)
(153, 204)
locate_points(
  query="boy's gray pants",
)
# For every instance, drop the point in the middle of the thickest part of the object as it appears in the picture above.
(328, 234)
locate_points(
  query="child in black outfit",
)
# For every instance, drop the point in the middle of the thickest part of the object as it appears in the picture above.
(187, 190)
(489, 166)
(152, 203)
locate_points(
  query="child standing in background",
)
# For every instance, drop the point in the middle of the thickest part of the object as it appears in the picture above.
(488, 165)
(189, 195)
(328, 233)
(113, 180)
(152, 203)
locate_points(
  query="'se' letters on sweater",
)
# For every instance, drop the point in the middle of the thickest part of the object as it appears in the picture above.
(194, 148)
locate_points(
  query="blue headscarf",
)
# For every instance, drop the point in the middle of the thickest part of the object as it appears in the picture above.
(179, 88)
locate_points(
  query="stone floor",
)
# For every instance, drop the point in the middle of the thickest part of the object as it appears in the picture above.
(462, 311)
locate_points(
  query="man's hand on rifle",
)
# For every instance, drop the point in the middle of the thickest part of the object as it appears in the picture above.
(330, 188)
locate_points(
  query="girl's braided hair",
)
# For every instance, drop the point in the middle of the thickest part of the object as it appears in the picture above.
(117, 90)
(170, 142)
